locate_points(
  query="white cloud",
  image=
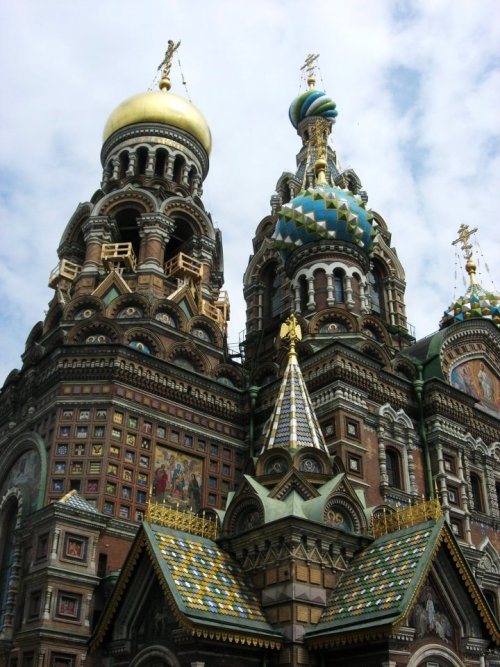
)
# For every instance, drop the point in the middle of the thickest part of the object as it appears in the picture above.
(428, 164)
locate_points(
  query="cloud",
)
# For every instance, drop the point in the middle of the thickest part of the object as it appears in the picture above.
(417, 89)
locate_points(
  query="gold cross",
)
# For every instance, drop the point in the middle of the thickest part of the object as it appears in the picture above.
(310, 66)
(464, 234)
(166, 64)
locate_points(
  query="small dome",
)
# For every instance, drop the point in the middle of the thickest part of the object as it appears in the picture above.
(323, 212)
(476, 303)
(312, 103)
(160, 106)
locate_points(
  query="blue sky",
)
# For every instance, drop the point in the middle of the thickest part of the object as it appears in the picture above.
(417, 86)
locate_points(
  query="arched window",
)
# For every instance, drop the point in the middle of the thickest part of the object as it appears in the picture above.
(476, 491)
(272, 293)
(393, 468)
(126, 221)
(179, 169)
(161, 159)
(375, 281)
(338, 284)
(142, 160)
(124, 163)
(304, 296)
(356, 290)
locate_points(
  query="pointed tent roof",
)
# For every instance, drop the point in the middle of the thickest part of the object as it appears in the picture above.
(72, 499)
(379, 587)
(206, 589)
(294, 423)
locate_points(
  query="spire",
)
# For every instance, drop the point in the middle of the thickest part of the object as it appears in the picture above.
(293, 423)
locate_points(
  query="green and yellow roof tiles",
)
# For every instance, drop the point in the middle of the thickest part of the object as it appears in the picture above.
(206, 584)
(382, 580)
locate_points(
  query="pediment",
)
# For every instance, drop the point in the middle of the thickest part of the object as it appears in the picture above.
(293, 481)
(173, 579)
(184, 298)
(111, 287)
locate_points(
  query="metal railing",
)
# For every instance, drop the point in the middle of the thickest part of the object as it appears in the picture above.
(171, 517)
(390, 522)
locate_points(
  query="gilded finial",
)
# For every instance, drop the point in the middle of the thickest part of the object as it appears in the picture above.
(290, 330)
(166, 65)
(464, 234)
(310, 66)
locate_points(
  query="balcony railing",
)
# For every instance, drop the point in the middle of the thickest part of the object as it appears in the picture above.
(65, 269)
(118, 256)
(183, 265)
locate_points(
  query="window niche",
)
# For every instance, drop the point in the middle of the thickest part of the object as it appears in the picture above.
(393, 468)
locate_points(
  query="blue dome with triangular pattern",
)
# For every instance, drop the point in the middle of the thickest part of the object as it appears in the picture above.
(324, 212)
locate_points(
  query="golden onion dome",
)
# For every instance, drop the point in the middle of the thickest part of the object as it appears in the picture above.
(160, 106)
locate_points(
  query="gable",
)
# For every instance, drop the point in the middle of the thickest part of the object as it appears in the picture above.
(204, 588)
(388, 583)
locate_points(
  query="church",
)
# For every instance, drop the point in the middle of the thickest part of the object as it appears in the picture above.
(326, 495)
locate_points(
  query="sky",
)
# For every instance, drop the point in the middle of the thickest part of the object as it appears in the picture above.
(417, 87)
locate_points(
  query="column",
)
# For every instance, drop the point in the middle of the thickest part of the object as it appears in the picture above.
(203, 250)
(46, 606)
(150, 164)
(349, 301)
(384, 480)
(365, 308)
(463, 474)
(169, 173)
(297, 298)
(96, 231)
(441, 478)
(330, 291)
(155, 230)
(131, 164)
(311, 304)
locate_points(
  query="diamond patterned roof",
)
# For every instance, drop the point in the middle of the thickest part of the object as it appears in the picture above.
(208, 586)
(294, 423)
(380, 581)
(206, 578)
